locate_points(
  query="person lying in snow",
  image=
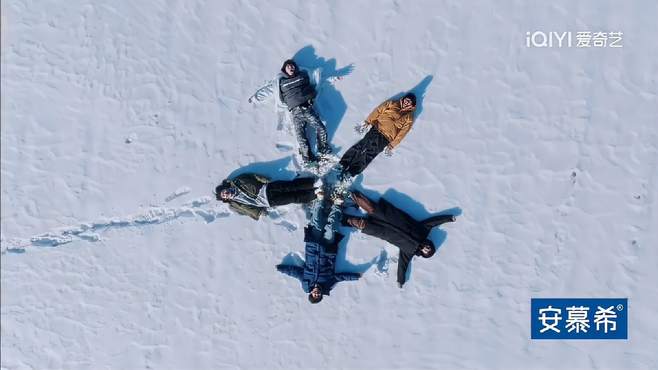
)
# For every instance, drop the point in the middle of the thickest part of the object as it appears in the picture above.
(385, 221)
(295, 92)
(251, 194)
(318, 275)
(389, 123)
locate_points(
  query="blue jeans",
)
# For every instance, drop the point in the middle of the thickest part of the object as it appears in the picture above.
(303, 117)
(325, 220)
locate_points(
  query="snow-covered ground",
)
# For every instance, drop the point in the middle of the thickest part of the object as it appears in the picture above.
(120, 117)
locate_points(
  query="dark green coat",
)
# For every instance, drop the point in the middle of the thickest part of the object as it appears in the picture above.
(250, 184)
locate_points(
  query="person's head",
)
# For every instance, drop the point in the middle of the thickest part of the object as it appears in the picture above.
(224, 192)
(289, 67)
(315, 295)
(408, 102)
(357, 222)
(426, 249)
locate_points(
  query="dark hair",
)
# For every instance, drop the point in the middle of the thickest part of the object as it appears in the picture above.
(312, 299)
(428, 243)
(412, 97)
(219, 188)
(289, 61)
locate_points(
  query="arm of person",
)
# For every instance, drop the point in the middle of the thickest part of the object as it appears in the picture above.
(347, 276)
(294, 271)
(264, 92)
(246, 210)
(403, 266)
(262, 179)
(438, 220)
(376, 112)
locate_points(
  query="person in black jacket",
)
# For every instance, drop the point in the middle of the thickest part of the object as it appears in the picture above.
(296, 92)
(389, 223)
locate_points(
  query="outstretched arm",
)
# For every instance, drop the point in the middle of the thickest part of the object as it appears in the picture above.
(403, 265)
(347, 276)
(340, 73)
(294, 271)
(246, 210)
(438, 220)
(264, 92)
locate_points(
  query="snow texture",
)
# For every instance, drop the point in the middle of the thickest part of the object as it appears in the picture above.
(120, 117)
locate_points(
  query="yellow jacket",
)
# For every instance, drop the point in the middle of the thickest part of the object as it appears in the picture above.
(391, 121)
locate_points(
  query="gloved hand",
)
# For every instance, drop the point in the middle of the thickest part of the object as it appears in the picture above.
(361, 127)
(388, 151)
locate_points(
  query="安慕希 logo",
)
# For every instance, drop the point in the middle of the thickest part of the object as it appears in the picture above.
(579, 318)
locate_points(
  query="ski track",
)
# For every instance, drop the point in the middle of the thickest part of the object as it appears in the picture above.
(91, 231)
(109, 106)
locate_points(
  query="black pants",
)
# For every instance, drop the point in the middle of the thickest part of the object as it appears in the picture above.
(299, 190)
(359, 156)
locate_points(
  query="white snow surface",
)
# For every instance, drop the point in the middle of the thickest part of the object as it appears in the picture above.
(120, 117)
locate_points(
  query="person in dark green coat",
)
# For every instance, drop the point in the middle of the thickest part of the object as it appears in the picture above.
(251, 194)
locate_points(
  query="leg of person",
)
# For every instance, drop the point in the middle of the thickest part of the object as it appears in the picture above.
(373, 145)
(354, 221)
(333, 222)
(363, 202)
(299, 183)
(282, 198)
(319, 215)
(302, 183)
(321, 131)
(352, 154)
(299, 122)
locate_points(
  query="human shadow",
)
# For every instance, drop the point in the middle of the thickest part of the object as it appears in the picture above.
(292, 259)
(418, 90)
(344, 265)
(329, 103)
(275, 170)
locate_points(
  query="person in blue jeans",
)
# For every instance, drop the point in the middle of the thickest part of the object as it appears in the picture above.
(318, 274)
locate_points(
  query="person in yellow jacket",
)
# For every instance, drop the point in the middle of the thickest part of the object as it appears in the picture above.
(388, 123)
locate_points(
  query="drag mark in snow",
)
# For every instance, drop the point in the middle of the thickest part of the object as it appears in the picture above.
(284, 146)
(179, 192)
(91, 231)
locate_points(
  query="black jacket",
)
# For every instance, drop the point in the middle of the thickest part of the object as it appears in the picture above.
(296, 90)
(400, 229)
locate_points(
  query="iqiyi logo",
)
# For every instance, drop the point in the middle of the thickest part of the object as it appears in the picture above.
(580, 39)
